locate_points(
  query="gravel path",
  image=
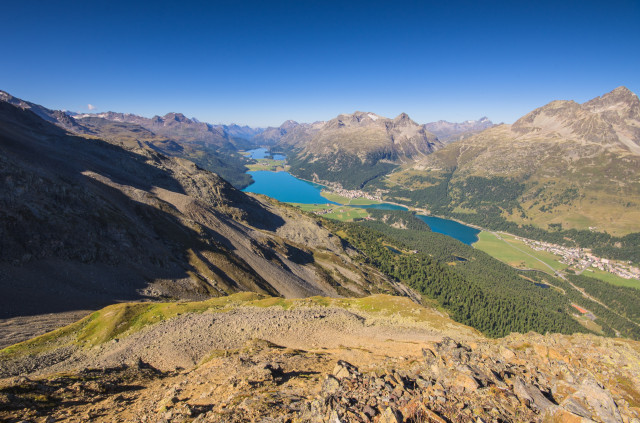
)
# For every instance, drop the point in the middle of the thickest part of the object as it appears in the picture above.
(183, 341)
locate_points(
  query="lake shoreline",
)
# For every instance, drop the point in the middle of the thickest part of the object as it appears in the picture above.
(312, 194)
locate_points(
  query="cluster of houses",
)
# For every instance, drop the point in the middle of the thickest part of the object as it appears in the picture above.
(354, 194)
(581, 259)
(323, 211)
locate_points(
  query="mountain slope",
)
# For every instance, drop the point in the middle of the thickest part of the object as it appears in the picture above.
(353, 149)
(85, 223)
(272, 136)
(173, 125)
(569, 164)
(212, 147)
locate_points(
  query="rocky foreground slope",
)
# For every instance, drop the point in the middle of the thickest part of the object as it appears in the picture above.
(249, 357)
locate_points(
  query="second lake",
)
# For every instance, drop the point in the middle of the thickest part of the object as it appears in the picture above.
(287, 188)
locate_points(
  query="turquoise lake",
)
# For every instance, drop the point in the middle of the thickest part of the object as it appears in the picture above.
(462, 233)
(287, 188)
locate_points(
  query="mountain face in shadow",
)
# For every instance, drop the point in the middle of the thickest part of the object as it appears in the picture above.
(85, 222)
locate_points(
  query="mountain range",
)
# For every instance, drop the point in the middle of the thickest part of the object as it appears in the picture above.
(568, 164)
(453, 131)
(105, 210)
(355, 148)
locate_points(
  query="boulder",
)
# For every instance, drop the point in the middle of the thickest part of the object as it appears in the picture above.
(531, 396)
(390, 415)
(345, 370)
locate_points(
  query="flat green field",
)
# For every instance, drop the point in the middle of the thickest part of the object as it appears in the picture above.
(334, 211)
(611, 278)
(268, 164)
(344, 200)
(516, 253)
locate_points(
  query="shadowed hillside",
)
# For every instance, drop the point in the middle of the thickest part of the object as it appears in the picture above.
(86, 223)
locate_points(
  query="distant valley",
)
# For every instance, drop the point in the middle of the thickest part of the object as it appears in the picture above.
(377, 157)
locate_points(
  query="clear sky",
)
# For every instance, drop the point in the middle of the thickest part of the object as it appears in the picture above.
(260, 63)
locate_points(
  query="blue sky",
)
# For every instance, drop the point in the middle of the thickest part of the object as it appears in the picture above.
(260, 63)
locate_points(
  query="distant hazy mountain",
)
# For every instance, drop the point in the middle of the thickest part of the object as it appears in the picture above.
(355, 148)
(565, 163)
(241, 132)
(451, 131)
(272, 136)
(173, 125)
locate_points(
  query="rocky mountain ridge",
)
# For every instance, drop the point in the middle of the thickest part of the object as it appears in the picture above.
(213, 147)
(568, 163)
(364, 133)
(172, 125)
(351, 149)
(181, 128)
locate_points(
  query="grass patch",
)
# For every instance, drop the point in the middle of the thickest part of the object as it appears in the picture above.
(346, 214)
(516, 253)
(346, 200)
(590, 324)
(611, 278)
(463, 210)
(334, 211)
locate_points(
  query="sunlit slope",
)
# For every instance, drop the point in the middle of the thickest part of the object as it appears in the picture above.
(566, 163)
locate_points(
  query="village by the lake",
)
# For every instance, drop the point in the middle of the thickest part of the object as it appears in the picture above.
(581, 259)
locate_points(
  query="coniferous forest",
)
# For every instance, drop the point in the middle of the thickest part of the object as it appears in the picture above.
(472, 286)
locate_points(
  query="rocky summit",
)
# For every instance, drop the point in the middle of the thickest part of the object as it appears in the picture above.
(353, 149)
(368, 135)
(253, 358)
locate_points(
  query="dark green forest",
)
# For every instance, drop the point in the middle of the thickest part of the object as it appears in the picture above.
(348, 170)
(472, 286)
(611, 318)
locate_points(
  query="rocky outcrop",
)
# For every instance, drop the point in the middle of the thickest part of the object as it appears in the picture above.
(327, 364)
